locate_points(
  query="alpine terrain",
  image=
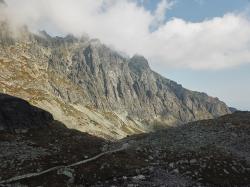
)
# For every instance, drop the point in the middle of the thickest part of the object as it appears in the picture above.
(75, 112)
(36, 150)
(94, 89)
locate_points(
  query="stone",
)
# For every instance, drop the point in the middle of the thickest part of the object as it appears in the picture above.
(176, 171)
(171, 165)
(150, 158)
(66, 171)
(225, 171)
(151, 168)
(132, 185)
(234, 134)
(139, 177)
(234, 169)
(139, 149)
(192, 161)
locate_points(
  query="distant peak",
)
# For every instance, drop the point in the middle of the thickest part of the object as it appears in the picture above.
(232, 109)
(44, 34)
(139, 63)
(70, 37)
(95, 42)
(137, 56)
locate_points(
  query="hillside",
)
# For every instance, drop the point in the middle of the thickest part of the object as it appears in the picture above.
(203, 153)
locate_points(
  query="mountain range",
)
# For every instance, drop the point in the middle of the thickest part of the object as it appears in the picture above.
(93, 88)
(75, 112)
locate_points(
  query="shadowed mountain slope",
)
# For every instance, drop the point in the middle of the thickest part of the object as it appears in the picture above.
(17, 114)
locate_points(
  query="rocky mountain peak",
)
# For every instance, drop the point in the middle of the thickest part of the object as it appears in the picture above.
(71, 38)
(44, 34)
(95, 42)
(139, 64)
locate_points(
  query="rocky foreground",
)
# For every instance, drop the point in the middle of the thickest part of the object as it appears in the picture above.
(203, 153)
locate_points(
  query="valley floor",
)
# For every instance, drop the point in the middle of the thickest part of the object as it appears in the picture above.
(204, 153)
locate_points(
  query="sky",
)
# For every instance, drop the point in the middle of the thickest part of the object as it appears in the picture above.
(229, 84)
(202, 44)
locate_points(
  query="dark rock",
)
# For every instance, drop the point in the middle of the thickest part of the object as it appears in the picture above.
(17, 115)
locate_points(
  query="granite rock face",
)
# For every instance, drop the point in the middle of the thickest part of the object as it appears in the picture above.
(88, 86)
(112, 82)
(17, 114)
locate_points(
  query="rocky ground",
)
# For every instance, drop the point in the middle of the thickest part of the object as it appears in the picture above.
(94, 89)
(43, 148)
(204, 153)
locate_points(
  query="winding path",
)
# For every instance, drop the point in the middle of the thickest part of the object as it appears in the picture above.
(30, 175)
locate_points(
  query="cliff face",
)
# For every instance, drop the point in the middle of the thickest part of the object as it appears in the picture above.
(112, 82)
(93, 88)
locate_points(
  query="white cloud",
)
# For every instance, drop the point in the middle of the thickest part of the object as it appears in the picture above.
(212, 44)
(160, 12)
(217, 43)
